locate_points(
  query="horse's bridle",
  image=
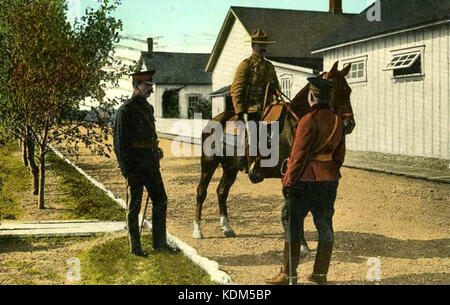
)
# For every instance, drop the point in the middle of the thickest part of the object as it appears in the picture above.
(325, 75)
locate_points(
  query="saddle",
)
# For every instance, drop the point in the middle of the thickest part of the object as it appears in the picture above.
(234, 129)
(272, 114)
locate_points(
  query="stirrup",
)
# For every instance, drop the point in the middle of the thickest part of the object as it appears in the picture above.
(254, 175)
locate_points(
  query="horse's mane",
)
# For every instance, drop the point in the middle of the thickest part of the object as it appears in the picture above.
(338, 100)
(299, 103)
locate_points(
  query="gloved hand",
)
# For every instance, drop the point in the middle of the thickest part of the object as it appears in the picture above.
(349, 125)
(160, 153)
(286, 191)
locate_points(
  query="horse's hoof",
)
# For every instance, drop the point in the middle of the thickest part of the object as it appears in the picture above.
(229, 234)
(304, 251)
(197, 233)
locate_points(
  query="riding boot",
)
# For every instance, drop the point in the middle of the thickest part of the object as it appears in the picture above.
(159, 233)
(282, 278)
(255, 174)
(135, 243)
(322, 263)
(160, 236)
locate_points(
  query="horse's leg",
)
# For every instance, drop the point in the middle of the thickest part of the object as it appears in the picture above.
(208, 169)
(228, 178)
(304, 248)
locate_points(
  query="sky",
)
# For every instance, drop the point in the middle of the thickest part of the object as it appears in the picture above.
(193, 25)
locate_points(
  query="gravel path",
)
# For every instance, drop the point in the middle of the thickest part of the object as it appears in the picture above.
(403, 222)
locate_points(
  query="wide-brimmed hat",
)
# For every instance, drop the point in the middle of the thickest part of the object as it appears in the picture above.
(321, 87)
(260, 36)
(145, 76)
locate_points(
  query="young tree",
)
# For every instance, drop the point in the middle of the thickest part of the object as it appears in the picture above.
(53, 67)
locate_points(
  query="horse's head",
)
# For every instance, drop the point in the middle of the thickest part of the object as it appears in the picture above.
(341, 91)
(340, 95)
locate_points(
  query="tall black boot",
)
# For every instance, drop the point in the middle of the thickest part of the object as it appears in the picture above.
(159, 232)
(322, 263)
(135, 243)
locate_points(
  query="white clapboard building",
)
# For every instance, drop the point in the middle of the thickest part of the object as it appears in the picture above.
(296, 33)
(178, 75)
(182, 73)
(400, 76)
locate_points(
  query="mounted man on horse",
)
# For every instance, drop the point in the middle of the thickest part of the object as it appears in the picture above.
(255, 82)
(257, 96)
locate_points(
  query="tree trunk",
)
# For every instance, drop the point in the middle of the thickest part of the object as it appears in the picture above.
(23, 149)
(29, 147)
(41, 179)
(32, 167)
(42, 153)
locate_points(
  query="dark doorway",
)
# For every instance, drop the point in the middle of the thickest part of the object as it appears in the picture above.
(170, 104)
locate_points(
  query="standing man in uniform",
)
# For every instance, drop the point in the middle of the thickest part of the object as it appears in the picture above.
(248, 89)
(138, 155)
(311, 182)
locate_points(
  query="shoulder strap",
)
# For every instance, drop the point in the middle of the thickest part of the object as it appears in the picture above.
(146, 117)
(336, 122)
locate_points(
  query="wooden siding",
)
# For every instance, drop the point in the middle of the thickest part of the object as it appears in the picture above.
(408, 116)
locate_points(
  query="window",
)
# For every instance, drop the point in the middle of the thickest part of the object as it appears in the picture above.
(286, 85)
(193, 104)
(406, 62)
(193, 99)
(358, 72)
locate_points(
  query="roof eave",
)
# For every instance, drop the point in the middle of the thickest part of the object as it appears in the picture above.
(292, 67)
(364, 39)
(219, 44)
(221, 39)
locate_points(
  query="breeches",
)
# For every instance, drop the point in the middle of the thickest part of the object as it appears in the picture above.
(315, 197)
(155, 188)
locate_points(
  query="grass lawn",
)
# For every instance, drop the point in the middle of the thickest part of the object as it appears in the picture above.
(80, 198)
(69, 195)
(14, 180)
(110, 263)
(39, 261)
(104, 260)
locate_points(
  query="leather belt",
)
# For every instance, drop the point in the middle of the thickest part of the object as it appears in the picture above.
(144, 145)
(322, 158)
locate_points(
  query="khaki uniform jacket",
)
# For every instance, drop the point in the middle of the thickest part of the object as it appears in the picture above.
(249, 85)
(313, 131)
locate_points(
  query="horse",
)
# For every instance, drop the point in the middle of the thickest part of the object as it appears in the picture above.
(295, 110)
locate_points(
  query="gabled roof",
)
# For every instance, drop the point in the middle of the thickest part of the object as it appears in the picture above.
(295, 31)
(396, 15)
(178, 68)
(221, 91)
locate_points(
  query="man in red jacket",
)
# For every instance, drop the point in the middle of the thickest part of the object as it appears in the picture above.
(311, 182)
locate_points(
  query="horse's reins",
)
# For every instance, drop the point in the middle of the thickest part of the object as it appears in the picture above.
(288, 107)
